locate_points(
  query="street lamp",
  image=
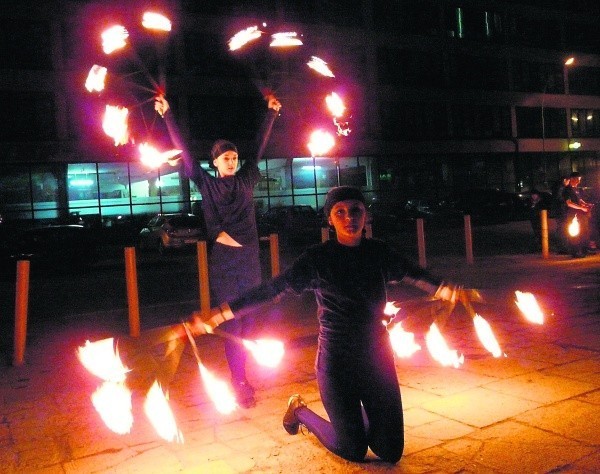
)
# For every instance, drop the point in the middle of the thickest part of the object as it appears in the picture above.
(568, 62)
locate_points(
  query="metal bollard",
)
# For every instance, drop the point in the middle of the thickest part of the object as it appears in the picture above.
(203, 277)
(544, 224)
(421, 242)
(468, 239)
(21, 308)
(133, 301)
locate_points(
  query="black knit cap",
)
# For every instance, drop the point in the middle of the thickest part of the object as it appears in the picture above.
(220, 147)
(341, 193)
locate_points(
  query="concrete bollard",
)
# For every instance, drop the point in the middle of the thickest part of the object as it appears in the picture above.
(203, 277)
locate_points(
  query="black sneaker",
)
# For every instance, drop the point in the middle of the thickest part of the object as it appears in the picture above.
(244, 394)
(290, 421)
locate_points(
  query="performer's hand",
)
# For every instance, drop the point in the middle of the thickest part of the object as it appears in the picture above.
(198, 326)
(161, 105)
(273, 103)
(205, 324)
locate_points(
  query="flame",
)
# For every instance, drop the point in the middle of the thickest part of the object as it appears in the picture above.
(320, 142)
(156, 21)
(158, 411)
(95, 79)
(153, 158)
(218, 391)
(320, 66)
(267, 352)
(574, 227)
(529, 307)
(439, 350)
(290, 38)
(115, 124)
(242, 38)
(486, 336)
(390, 308)
(102, 360)
(112, 400)
(114, 38)
(335, 104)
(403, 342)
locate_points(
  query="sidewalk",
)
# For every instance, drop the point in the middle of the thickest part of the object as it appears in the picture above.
(535, 410)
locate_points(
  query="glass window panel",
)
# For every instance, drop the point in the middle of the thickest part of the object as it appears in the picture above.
(276, 178)
(15, 193)
(82, 188)
(351, 173)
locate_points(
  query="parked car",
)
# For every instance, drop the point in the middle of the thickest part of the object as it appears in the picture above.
(60, 247)
(176, 231)
(296, 223)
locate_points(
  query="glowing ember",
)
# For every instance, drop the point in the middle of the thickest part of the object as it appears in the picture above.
(218, 391)
(158, 411)
(95, 79)
(403, 342)
(574, 227)
(335, 104)
(112, 401)
(102, 359)
(320, 66)
(114, 38)
(156, 21)
(153, 158)
(320, 143)
(115, 124)
(439, 350)
(242, 38)
(529, 307)
(267, 352)
(282, 40)
(486, 336)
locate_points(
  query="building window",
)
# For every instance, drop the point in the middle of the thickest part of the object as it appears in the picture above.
(478, 72)
(405, 120)
(405, 68)
(585, 123)
(538, 77)
(530, 124)
(584, 80)
(480, 121)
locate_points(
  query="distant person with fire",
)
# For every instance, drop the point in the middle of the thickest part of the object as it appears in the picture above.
(585, 241)
(228, 209)
(355, 366)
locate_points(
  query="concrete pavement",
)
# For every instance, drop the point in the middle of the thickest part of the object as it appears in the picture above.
(536, 409)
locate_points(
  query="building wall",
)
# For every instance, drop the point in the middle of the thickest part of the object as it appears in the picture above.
(443, 95)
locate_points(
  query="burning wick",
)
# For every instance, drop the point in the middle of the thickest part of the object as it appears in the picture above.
(486, 336)
(320, 143)
(242, 38)
(96, 78)
(158, 411)
(320, 66)
(114, 38)
(156, 21)
(529, 306)
(439, 350)
(574, 227)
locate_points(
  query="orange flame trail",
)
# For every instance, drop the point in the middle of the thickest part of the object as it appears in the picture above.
(439, 350)
(529, 306)
(320, 66)
(114, 124)
(158, 411)
(112, 400)
(218, 391)
(242, 38)
(156, 21)
(320, 143)
(267, 352)
(486, 336)
(96, 78)
(114, 38)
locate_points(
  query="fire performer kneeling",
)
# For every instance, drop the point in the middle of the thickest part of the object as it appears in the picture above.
(355, 362)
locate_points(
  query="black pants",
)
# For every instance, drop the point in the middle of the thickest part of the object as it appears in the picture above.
(232, 270)
(364, 406)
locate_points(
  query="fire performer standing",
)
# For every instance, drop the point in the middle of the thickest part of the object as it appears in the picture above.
(355, 362)
(576, 206)
(228, 209)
